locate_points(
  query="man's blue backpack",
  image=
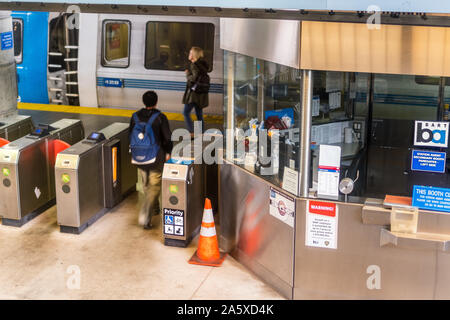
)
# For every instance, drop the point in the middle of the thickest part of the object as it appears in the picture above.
(143, 145)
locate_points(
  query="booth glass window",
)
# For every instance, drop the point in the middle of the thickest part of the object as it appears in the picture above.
(266, 108)
(364, 125)
(18, 37)
(446, 110)
(116, 44)
(168, 44)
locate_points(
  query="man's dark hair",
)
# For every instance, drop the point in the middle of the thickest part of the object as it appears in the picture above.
(150, 99)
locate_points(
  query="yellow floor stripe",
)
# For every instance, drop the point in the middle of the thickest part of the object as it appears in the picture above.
(172, 116)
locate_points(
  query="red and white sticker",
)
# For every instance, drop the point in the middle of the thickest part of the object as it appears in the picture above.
(321, 224)
(323, 208)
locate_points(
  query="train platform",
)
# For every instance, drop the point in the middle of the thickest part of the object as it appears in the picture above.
(115, 258)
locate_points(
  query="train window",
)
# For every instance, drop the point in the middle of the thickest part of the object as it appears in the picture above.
(18, 36)
(116, 43)
(430, 80)
(168, 44)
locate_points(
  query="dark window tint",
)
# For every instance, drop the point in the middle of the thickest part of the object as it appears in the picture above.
(430, 80)
(18, 36)
(116, 44)
(168, 44)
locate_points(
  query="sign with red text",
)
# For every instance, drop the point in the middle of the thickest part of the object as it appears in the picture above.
(321, 224)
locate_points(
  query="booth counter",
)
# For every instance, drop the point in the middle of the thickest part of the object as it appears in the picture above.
(369, 261)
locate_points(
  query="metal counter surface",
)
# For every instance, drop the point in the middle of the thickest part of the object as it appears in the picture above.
(407, 267)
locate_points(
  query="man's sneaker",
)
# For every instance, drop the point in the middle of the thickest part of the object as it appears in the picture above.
(148, 226)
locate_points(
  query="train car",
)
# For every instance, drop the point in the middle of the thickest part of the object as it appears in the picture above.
(105, 60)
(30, 51)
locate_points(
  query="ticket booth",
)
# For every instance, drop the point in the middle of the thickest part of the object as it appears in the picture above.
(335, 133)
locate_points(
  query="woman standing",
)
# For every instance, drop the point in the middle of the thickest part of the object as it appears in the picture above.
(197, 87)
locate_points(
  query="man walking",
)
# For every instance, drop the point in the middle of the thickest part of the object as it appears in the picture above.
(151, 146)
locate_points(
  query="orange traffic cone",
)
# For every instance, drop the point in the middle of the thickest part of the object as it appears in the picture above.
(208, 253)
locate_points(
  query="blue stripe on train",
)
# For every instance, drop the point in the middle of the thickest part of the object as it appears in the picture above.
(159, 85)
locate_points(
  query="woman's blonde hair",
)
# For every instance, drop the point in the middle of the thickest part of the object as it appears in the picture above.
(197, 52)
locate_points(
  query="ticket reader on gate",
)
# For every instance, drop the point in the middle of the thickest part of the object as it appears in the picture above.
(182, 201)
(93, 176)
(27, 186)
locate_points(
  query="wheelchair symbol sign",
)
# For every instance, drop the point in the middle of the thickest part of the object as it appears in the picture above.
(168, 220)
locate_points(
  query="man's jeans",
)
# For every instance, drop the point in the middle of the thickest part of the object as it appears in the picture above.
(151, 185)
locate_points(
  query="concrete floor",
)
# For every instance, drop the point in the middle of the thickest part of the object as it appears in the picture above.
(115, 258)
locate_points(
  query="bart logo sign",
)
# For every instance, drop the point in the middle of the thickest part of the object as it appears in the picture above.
(431, 134)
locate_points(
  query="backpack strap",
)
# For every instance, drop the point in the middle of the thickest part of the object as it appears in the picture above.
(135, 118)
(150, 123)
(153, 117)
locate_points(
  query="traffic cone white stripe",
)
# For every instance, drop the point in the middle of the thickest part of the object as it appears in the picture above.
(208, 216)
(208, 232)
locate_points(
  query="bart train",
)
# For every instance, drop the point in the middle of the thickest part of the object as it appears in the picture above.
(104, 60)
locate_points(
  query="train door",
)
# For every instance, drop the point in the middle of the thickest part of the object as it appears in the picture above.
(397, 101)
(62, 61)
(30, 51)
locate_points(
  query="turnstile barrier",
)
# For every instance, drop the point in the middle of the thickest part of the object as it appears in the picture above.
(183, 192)
(27, 164)
(93, 176)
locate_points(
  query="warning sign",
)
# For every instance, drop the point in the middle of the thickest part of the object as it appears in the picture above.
(321, 224)
(173, 222)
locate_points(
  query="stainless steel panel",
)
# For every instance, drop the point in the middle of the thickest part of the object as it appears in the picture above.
(68, 130)
(8, 161)
(443, 276)
(15, 127)
(90, 184)
(248, 230)
(271, 40)
(305, 132)
(406, 273)
(33, 180)
(195, 198)
(86, 196)
(396, 49)
(67, 204)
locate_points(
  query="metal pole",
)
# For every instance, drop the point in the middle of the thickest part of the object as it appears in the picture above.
(305, 132)
(230, 125)
(8, 78)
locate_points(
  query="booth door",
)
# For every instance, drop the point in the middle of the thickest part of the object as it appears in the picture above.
(397, 101)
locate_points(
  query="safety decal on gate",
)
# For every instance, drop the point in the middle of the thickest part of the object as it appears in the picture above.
(173, 222)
